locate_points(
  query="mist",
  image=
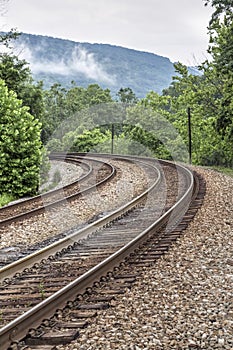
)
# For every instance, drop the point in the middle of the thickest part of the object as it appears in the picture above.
(79, 62)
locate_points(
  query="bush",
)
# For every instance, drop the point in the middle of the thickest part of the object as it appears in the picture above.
(20, 146)
(5, 199)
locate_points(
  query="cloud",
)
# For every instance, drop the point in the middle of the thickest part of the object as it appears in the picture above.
(4, 49)
(168, 28)
(80, 62)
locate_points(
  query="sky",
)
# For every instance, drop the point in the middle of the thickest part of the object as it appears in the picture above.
(176, 29)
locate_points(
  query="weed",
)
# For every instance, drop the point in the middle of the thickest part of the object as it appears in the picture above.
(42, 290)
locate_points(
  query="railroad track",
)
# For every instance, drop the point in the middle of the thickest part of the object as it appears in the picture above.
(60, 223)
(96, 172)
(5, 272)
(90, 254)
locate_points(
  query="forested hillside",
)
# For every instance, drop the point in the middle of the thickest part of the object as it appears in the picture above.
(62, 61)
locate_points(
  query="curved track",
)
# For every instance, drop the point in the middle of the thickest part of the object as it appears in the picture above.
(58, 222)
(97, 173)
(92, 252)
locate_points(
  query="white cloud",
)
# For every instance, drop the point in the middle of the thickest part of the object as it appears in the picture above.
(168, 28)
(81, 62)
(4, 49)
(85, 62)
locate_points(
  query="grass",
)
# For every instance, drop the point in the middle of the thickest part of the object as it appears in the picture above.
(226, 171)
(5, 199)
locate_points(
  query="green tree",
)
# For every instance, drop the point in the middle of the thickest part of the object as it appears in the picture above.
(95, 95)
(65, 108)
(85, 142)
(221, 66)
(13, 71)
(20, 146)
(17, 77)
(79, 140)
(152, 132)
(222, 8)
(200, 93)
(55, 110)
(6, 38)
(126, 95)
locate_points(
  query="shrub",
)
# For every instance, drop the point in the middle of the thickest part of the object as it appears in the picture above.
(20, 146)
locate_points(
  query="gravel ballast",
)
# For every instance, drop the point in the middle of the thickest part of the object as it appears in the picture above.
(129, 182)
(184, 301)
(67, 172)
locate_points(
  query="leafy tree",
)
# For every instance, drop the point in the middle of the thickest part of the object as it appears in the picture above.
(76, 141)
(152, 132)
(55, 110)
(63, 107)
(13, 71)
(6, 38)
(18, 78)
(210, 95)
(95, 95)
(84, 142)
(221, 65)
(201, 93)
(20, 146)
(126, 95)
(75, 98)
(221, 8)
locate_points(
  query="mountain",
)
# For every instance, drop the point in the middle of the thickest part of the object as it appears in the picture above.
(57, 60)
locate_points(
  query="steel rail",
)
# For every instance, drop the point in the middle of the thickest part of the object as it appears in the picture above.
(31, 199)
(28, 261)
(16, 330)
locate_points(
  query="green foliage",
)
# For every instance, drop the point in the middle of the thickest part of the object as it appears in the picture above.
(74, 141)
(5, 198)
(223, 170)
(222, 8)
(13, 71)
(63, 108)
(55, 110)
(152, 131)
(221, 66)
(203, 94)
(126, 95)
(95, 95)
(17, 77)
(142, 137)
(6, 38)
(20, 146)
(121, 144)
(54, 145)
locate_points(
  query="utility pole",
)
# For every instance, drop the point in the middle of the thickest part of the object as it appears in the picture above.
(189, 135)
(112, 145)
